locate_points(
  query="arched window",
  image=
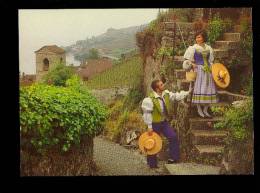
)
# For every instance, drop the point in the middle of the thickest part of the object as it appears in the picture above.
(60, 60)
(45, 64)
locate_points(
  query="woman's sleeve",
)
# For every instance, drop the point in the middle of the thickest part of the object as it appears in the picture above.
(189, 54)
(147, 107)
(211, 55)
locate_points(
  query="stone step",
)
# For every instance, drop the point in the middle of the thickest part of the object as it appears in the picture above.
(178, 64)
(220, 53)
(180, 74)
(208, 154)
(209, 149)
(231, 36)
(203, 123)
(167, 41)
(169, 33)
(178, 58)
(226, 44)
(237, 28)
(183, 84)
(194, 113)
(219, 104)
(206, 137)
(192, 169)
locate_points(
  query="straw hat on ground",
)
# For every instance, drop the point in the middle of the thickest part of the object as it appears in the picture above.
(220, 75)
(150, 145)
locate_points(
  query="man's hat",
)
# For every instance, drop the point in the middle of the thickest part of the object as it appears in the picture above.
(220, 75)
(150, 144)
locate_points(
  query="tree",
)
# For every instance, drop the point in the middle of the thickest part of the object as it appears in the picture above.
(58, 75)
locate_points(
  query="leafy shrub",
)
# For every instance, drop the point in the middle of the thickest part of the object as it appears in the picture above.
(215, 29)
(58, 74)
(239, 121)
(219, 111)
(133, 98)
(165, 51)
(58, 117)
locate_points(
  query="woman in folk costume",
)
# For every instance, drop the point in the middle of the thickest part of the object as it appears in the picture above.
(200, 58)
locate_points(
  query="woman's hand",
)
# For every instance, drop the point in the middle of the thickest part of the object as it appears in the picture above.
(194, 65)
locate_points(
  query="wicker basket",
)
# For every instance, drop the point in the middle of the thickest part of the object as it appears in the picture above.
(191, 76)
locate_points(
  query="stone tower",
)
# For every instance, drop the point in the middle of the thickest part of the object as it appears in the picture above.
(47, 57)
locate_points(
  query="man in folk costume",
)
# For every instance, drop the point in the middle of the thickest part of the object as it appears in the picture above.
(155, 114)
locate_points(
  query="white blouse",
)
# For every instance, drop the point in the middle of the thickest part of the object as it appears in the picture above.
(189, 55)
(147, 104)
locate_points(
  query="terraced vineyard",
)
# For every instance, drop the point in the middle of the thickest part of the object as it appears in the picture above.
(124, 74)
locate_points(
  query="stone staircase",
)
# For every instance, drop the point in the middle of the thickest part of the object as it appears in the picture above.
(207, 143)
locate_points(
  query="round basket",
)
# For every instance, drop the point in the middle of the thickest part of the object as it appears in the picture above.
(191, 76)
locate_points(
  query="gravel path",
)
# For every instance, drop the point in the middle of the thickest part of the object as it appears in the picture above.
(113, 159)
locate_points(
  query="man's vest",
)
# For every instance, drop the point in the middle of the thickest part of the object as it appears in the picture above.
(157, 113)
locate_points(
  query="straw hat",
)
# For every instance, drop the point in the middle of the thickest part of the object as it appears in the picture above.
(220, 75)
(150, 145)
(191, 76)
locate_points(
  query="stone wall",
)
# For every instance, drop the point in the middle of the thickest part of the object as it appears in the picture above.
(40, 72)
(153, 67)
(108, 96)
(151, 72)
(174, 34)
(78, 161)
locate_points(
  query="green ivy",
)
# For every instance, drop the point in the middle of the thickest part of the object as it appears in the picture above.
(53, 116)
(58, 74)
(164, 51)
(239, 121)
(215, 29)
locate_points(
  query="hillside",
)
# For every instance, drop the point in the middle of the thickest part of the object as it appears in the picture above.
(124, 74)
(113, 42)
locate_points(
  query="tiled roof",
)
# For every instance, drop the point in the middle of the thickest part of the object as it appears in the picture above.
(95, 66)
(51, 48)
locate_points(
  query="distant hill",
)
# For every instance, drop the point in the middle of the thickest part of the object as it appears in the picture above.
(113, 42)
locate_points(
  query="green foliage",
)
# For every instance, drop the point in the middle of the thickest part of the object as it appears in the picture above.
(165, 51)
(58, 74)
(219, 111)
(58, 117)
(123, 74)
(215, 29)
(239, 121)
(133, 98)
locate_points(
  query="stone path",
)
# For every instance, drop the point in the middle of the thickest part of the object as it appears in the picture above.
(192, 169)
(113, 159)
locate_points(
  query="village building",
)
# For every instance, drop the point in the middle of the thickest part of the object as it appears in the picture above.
(47, 57)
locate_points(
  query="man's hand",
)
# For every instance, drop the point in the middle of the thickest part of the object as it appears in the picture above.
(150, 131)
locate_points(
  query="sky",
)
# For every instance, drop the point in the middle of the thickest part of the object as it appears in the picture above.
(64, 27)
